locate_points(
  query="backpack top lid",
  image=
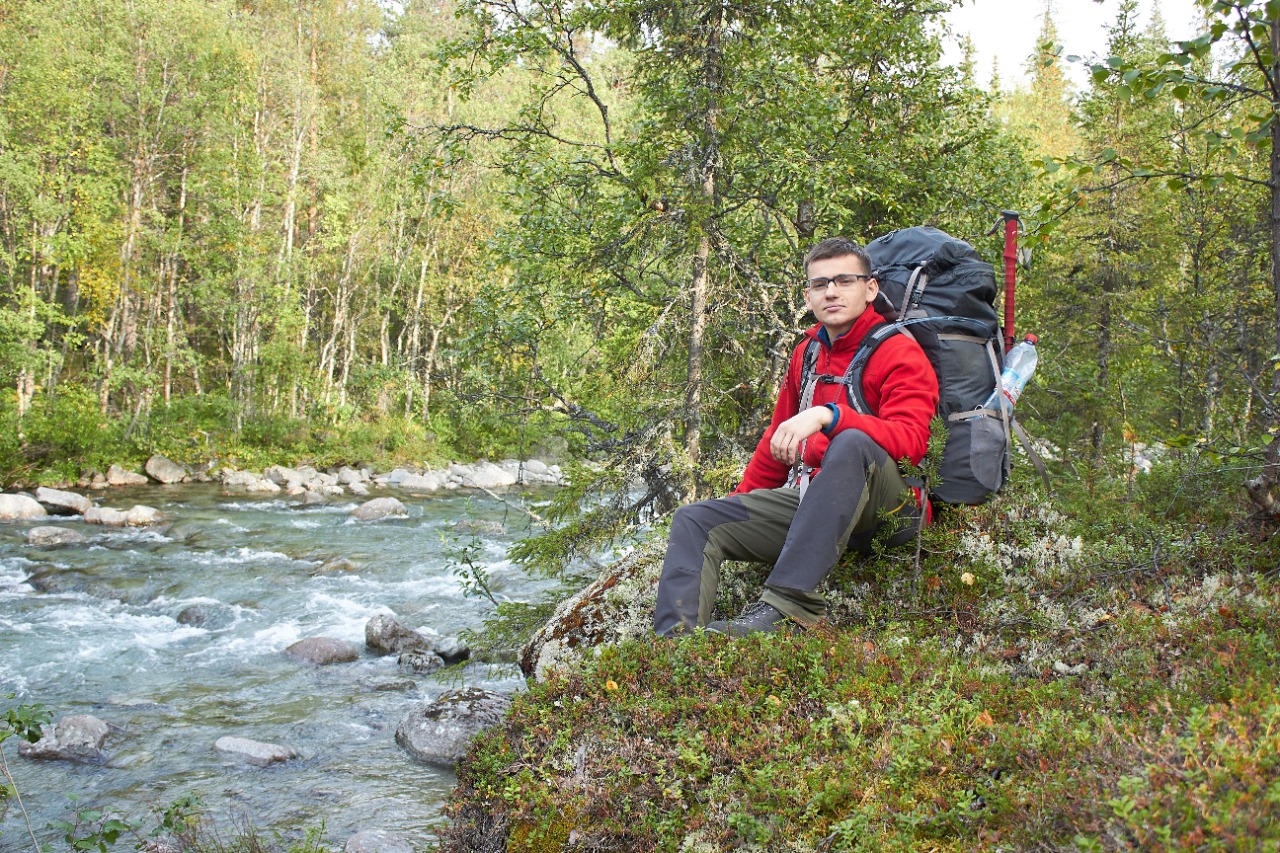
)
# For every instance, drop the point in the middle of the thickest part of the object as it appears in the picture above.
(922, 244)
(961, 283)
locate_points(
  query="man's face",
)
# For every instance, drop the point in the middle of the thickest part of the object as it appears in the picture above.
(837, 306)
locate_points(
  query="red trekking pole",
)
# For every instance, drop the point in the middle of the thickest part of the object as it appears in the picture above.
(1012, 225)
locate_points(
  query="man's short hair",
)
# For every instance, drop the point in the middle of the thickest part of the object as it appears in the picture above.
(836, 247)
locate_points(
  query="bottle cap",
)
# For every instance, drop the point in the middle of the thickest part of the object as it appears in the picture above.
(1031, 339)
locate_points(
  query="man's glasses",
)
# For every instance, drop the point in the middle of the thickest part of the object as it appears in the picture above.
(819, 285)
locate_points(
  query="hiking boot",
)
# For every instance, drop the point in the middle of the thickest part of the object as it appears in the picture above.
(754, 619)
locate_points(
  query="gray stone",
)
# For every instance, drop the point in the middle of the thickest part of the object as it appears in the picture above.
(254, 752)
(385, 636)
(117, 476)
(59, 502)
(106, 516)
(20, 508)
(76, 738)
(377, 841)
(323, 651)
(360, 490)
(420, 662)
(143, 516)
(617, 606)
(194, 615)
(336, 566)
(432, 481)
(438, 732)
(138, 516)
(483, 475)
(348, 476)
(54, 536)
(248, 481)
(165, 470)
(378, 509)
(283, 476)
(451, 649)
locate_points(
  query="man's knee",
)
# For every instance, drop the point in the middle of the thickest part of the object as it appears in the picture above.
(853, 446)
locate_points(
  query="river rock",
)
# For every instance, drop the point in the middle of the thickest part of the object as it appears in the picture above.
(138, 516)
(59, 502)
(165, 470)
(248, 481)
(385, 636)
(431, 481)
(377, 841)
(254, 752)
(483, 475)
(143, 516)
(46, 536)
(76, 738)
(616, 606)
(283, 476)
(420, 661)
(323, 651)
(378, 509)
(360, 490)
(348, 476)
(117, 476)
(438, 732)
(20, 508)
(193, 615)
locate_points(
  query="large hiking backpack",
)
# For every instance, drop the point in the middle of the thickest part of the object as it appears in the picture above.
(938, 290)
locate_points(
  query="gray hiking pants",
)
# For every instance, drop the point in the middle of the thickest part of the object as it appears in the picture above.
(804, 541)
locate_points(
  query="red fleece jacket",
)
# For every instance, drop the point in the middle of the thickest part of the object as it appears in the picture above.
(898, 383)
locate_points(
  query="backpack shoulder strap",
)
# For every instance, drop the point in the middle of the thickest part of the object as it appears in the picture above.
(852, 379)
(807, 378)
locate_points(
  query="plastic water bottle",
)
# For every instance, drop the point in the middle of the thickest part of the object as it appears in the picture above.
(1019, 364)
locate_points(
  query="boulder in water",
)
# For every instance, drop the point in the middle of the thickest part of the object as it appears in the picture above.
(76, 738)
(254, 752)
(58, 502)
(194, 615)
(377, 841)
(20, 508)
(378, 509)
(165, 470)
(138, 516)
(438, 732)
(117, 476)
(143, 516)
(384, 635)
(420, 661)
(323, 651)
(48, 536)
(106, 516)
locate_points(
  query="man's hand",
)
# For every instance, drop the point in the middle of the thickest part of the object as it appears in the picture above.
(791, 433)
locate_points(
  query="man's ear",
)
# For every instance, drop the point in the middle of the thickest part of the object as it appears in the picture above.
(873, 288)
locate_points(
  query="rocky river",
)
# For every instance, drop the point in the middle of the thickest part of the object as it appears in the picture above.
(175, 634)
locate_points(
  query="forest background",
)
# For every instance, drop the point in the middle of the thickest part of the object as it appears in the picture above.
(338, 231)
(357, 232)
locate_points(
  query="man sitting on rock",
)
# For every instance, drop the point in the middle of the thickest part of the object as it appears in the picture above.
(776, 515)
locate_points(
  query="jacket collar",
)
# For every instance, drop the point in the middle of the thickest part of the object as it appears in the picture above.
(850, 339)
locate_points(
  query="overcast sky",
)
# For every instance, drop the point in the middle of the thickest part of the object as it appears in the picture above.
(1005, 31)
